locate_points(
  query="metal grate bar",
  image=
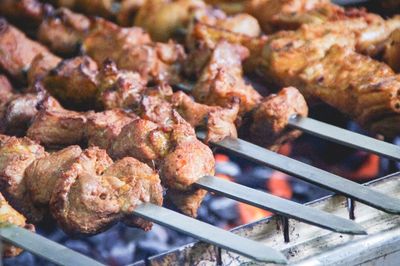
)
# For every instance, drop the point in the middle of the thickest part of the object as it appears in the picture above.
(210, 234)
(280, 206)
(310, 174)
(45, 248)
(345, 137)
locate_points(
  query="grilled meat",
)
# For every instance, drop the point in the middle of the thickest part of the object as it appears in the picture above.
(73, 79)
(25, 13)
(85, 190)
(9, 216)
(392, 50)
(222, 79)
(112, 88)
(15, 156)
(20, 52)
(63, 31)
(268, 127)
(172, 147)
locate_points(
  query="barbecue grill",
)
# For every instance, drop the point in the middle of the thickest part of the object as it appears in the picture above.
(305, 236)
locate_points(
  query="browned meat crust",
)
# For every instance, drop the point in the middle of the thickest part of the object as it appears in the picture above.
(9, 216)
(20, 51)
(63, 31)
(86, 191)
(269, 120)
(392, 51)
(15, 156)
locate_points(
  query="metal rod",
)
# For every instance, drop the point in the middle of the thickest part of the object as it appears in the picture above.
(280, 206)
(210, 234)
(44, 248)
(310, 174)
(345, 137)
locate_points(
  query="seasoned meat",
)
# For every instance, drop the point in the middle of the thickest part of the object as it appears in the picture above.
(20, 112)
(364, 89)
(15, 156)
(9, 216)
(219, 121)
(40, 66)
(74, 82)
(54, 126)
(392, 51)
(269, 120)
(109, 192)
(63, 31)
(275, 15)
(174, 149)
(131, 49)
(119, 88)
(104, 127)
(222, 79)
(19, 49)
(41, 176)
(141, 139)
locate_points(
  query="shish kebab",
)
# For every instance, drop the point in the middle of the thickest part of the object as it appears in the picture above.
(114, 77)
(63, 21)
(86, 192)
(378, 203)
(111, 130)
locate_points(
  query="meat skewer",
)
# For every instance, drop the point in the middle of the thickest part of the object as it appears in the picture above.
(102, 130)
(110, 191)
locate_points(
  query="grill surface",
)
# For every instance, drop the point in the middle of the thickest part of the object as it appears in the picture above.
(311, 245)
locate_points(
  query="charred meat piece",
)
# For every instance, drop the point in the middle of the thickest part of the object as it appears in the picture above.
(74, 82)
(20, 51)
(268, 127)
(222, 79)
(9, 216)
(63, 31)
(119, 88)
(6, 95)
(15, 156)
(108, 192)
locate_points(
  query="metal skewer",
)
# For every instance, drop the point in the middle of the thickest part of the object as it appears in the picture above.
(310, 174)
(47, 249)
(345, 137)
(210, 234)
(280, 206)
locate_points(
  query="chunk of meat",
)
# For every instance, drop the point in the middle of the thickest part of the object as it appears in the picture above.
(9, 216)
(103, 128)
(74, 82)
(63, 31)
(15, 156)
(270, 119)
(20, 51)
(110, 191)
(392, 51)
(222, 79)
